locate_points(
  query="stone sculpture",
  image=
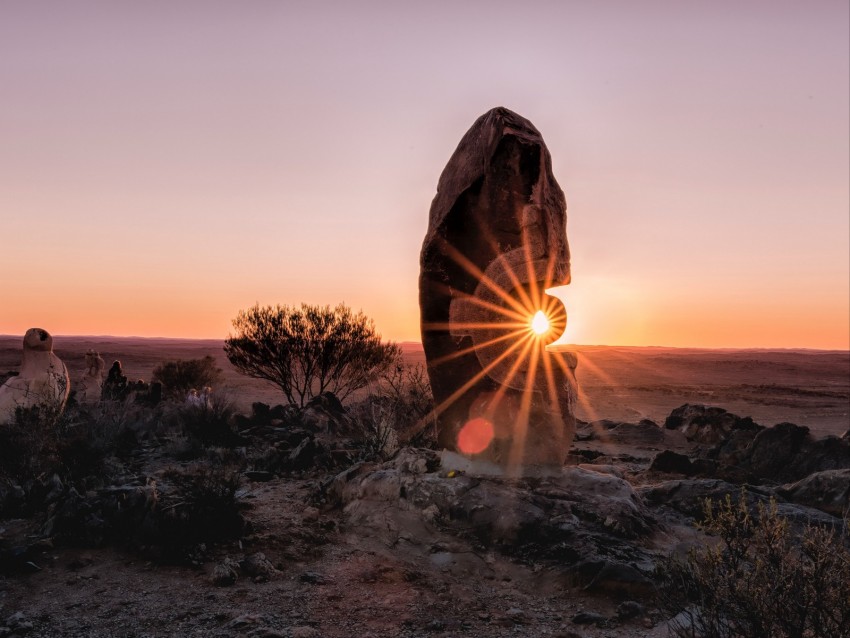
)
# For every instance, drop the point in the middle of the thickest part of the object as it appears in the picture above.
(42, 382)
(115, 387)
(496, 240)
(91, 385)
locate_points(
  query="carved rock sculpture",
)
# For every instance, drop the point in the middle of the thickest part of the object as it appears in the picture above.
(91, 385)
(115, 387)
(496, 240)
(42, 382)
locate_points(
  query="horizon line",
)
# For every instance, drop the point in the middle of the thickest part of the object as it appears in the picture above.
(419, 343)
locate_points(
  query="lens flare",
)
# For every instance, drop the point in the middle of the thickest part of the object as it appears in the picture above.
(540, 323)
(475, 436)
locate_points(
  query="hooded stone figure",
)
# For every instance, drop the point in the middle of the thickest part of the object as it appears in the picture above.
(43, 380)
(496, 241)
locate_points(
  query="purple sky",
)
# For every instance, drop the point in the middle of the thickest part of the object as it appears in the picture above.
(164, 164)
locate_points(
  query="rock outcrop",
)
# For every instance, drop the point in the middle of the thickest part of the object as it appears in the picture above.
(706, 424)
(42, 382)
(592, 525)
(496, 240)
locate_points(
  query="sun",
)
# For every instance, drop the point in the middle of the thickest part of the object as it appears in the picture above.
(539, 323)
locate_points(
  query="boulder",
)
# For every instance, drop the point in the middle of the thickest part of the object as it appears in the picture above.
(43, 381)
(672, 463)
(496, 240)
(828, 491)
(787, 452)
(705, 424)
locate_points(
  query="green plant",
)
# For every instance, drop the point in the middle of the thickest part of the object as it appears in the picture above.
(309, 350)
(760, 580)
(181, 375)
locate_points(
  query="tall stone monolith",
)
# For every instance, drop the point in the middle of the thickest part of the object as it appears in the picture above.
(496, 240)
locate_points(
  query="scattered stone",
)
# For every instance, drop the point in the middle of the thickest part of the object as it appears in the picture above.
(304, 632)
(258, 567)
(672, 463)
(620, 579)
(705, 424)
(303, 456)
(314, 578)
(435, 625)
(310, 514)
(629, 609)
(589, 618)
(326, 415)
(17, 625)
(516, 615)
(246, 620)
(225, 573)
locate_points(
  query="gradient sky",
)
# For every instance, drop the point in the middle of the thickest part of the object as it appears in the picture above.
(164, 164)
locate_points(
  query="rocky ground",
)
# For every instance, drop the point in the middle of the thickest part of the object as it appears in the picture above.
(328, 539)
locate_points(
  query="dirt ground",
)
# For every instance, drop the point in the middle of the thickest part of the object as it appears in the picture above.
(335, 581)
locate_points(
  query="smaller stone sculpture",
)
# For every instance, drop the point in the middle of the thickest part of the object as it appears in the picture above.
(115, 386)
(43, 381)
(91, 385)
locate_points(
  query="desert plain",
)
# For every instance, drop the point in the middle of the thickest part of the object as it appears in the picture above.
(806, 387)
(306, 568)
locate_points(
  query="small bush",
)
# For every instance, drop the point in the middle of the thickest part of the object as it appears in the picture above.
(28, 445)
(400, 410)
(179, 376)
(200, 508)
(210, 423)
(760, 580)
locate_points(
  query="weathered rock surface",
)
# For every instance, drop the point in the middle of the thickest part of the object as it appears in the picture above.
(496, 239)
(688, 497)
(42, 382)
(590, 523)
(788, 452)
(828, 491)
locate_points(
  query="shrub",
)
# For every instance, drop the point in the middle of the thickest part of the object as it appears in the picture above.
(201, 507)
(407, 391)
(309, 350)
(210, 423)
(181, 375)
(28, 445)
(398, 412)
(760, 580)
